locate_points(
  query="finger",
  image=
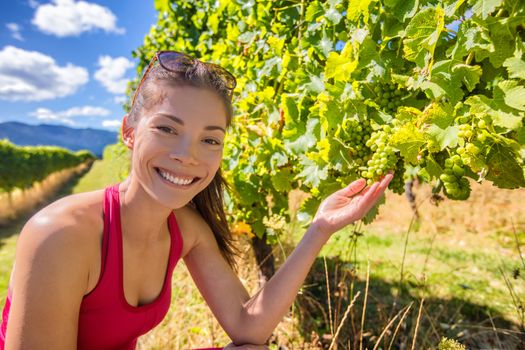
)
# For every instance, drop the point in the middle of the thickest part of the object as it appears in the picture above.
(383, 184)
(369, 192)
(354, 188)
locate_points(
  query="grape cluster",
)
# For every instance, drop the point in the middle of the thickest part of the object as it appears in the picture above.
(357, 132)
(388, 97)
(383, 158)
(397, 184)
(456, 185)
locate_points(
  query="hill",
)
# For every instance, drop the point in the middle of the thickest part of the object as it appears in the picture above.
(22, 134)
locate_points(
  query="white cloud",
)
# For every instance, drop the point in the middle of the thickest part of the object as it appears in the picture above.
(120, 100)
(111, 73)
(15, 30)
(65, 116)
(33, 4)
(33, 76)
(71, 18)
(112, 124)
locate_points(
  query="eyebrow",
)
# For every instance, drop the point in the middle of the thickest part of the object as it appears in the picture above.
(179, 121)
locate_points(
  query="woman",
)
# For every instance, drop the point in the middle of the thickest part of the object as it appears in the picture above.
(93, 270)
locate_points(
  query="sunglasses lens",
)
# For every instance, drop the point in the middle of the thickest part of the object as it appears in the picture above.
(178, 61)
(174, 61)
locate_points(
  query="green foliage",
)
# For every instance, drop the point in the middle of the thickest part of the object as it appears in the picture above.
(21, 167)
(450, 344)
(307, 69)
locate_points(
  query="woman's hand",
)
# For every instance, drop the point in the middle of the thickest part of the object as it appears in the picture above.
(232, 346)
(348, 205)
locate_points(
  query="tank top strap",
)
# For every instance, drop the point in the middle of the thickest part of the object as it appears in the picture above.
(176, 241)
(109, 251)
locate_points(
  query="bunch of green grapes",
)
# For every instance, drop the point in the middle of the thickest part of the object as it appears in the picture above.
(456, 185)
(356, 134)
(384, 157)
(388, 96)
(397, 184)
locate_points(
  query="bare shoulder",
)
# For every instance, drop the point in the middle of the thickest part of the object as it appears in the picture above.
(193, 227)
(67, 225)
(77, 213)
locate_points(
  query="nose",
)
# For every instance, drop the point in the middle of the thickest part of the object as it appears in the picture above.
(184, 153)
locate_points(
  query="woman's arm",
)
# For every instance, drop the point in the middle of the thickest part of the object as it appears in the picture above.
(252, 320)
(49, 281)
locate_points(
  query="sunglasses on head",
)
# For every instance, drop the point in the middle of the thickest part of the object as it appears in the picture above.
(176, 62)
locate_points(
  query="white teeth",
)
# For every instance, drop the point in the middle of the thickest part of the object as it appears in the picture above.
(175, 180)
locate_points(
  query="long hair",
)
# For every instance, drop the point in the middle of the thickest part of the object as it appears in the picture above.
(210, 201)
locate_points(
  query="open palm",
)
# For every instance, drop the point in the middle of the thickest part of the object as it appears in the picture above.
(348, 205)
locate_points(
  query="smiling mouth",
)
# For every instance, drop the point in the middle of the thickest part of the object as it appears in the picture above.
(176, 180)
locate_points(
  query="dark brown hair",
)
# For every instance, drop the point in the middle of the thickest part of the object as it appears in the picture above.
(210, 201)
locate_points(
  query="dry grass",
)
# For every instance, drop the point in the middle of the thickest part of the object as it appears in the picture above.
(488, 212)
(190, 323)
(22, 201)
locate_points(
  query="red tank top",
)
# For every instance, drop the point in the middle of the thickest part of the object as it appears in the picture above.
(106, 320)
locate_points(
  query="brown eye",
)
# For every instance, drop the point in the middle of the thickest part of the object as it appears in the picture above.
(212, 142)
(166, 129)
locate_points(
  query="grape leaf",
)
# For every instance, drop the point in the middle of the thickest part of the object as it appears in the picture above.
(281, 181)
(515, 66)
(447, 137)
(312, 173)
(408, 140)
(514, 94)
(484, 8)
(482, 105)
(340, 66)
(422, 33)
(469, 75)
(433, 168)
(402, 9)
(358, 8)
(313, 11)
(504, 169)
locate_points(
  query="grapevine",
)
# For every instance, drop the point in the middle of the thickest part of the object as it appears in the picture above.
(329, 92)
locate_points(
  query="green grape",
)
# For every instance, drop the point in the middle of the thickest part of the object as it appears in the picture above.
(456, 185)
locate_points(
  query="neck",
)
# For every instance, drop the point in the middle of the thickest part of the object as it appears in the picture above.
(142, 218)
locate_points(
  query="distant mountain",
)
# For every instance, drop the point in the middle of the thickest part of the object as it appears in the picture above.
(22, 134)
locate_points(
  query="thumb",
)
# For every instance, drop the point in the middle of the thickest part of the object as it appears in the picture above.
(354, 188)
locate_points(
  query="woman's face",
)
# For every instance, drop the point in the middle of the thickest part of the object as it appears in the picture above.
(178, 144)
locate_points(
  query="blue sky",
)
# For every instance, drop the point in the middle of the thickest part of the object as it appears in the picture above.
(67, 62)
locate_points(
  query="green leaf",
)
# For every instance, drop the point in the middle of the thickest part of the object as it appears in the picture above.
(340, 66)
(314, 10)
(504, 169)
(282, 180)
(469, 75)
(408, 140)
(447, 137)
(333, 15)
(289, 106)
(442, 115)
(402, 9)
(422, 34)
(481, 106)
(514, 94)
(433, 168)
(358, 8)
(484, 8)
(312, 173)
(515, 66)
